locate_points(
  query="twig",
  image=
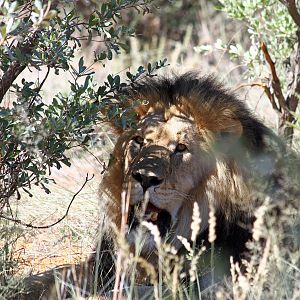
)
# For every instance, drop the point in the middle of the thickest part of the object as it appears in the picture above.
(103, 164)
(292, 99)
(40, 87)
(292, 94)
(275, 80)
(59, 220)
(25, 11)
(251, 84)
(294, 86)
(86, 38)
(266, 90)
(9, 77)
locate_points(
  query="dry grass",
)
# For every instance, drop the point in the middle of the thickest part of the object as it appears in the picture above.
(73, 239)
(272, 272)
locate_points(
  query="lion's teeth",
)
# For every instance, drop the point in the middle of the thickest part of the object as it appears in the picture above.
(154, 216)
(151, 216)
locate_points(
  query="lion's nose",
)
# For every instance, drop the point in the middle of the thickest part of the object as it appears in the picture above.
(146, 180)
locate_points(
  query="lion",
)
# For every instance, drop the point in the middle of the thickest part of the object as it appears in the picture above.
(194, 142)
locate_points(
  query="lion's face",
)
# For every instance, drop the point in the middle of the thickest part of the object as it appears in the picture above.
(167, 158)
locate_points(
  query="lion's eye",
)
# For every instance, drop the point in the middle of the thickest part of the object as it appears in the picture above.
(180, 148)
(139, 140)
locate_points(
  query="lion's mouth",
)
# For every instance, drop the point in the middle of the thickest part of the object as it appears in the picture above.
(159, 217)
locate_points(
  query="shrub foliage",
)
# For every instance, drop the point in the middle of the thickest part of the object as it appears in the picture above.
(35, 132)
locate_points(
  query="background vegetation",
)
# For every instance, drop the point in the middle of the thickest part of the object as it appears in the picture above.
(64, 66)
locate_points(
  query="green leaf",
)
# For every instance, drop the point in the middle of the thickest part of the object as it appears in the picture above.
(109, 54)
(4, 112)
(110, 80)
(93, 20)
(117, 80)
(66, 161)
(124, 46)
(25, 190)
(81, 66)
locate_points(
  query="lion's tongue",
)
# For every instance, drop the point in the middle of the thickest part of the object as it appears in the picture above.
(152, 212)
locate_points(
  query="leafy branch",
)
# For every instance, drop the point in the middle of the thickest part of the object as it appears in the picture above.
(35, 133)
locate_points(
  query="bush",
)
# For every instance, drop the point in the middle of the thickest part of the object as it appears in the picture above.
(36, 132)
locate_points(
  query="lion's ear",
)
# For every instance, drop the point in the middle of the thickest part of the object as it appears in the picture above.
(228, 133)
(230, 127)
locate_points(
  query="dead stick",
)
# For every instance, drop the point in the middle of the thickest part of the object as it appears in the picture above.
(59, 220)
(266, 90)
(275, 79)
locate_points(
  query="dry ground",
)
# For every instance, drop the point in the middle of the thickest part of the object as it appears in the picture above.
(73, 239)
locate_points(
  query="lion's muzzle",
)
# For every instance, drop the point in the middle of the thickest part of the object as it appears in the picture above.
(146, 178)
(150, 168)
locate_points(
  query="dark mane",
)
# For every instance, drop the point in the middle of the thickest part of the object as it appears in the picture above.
(205, 96)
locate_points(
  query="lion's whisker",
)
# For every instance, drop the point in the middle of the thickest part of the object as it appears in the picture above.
(180, 193)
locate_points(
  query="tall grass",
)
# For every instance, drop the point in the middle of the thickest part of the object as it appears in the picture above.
(270, 271)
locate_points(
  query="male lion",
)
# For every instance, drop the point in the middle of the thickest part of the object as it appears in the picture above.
(194, 142)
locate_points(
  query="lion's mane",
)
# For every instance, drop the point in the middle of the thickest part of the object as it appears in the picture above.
(245, 152)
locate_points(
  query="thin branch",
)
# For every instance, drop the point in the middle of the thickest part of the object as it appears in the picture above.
(266, 90)
(292, 99)
(292, 95)
(9, 77)
(294, 86)
(103, 164)
(40, 87)
(250, 84)
(86, 38)
(25, 11)
(275, 80)
(59, 220)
